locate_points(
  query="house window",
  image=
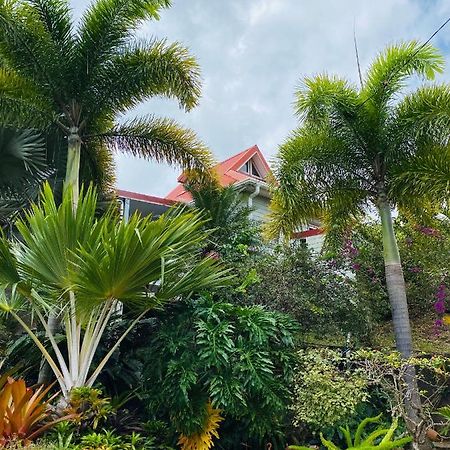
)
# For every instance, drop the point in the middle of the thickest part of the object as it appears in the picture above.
(250, 168)
(255, 173)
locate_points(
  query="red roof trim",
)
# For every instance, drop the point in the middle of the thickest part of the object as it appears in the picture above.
(247, 155)
(145, 198)
(308, 233)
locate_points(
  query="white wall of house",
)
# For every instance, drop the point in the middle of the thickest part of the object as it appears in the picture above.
(260, 209)
(315, 243)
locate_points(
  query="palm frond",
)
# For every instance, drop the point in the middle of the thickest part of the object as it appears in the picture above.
(315, 172)
(23, 167)
(56, 16)
(108, 24)
(21, 102)
(425, 113)
(390, 70)
(27, 46)
(160, 140)
(426, 175)
(322, 97)
(141, 71)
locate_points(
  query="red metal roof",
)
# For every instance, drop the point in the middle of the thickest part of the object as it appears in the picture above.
(308, 233)
(227, 171)
(145, 198)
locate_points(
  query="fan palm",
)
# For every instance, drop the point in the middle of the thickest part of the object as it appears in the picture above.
(22, 168)
(358, 148)
(69, 261)
(75, 81)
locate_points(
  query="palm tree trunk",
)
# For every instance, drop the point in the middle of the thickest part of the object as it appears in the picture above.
(72, 181)
(396, 288)
(73, 164)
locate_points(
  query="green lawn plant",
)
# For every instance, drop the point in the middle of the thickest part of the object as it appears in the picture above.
(351, 153)
(84, 267)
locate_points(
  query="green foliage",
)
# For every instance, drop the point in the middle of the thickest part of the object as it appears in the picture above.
(445, 413)
(353, 146)
(381, 438)
(425, 253)
(23, 167)
(241, 358)
(232, 231)
(60, 77)
(326, 390)
(90, 407)
(322, 298)
(81, 266)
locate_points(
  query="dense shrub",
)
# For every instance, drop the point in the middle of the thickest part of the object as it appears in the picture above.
(326, 392)
(239, 358)
(321, 298)
(425, 253)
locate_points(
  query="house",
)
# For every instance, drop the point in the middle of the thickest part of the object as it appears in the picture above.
(247, 171)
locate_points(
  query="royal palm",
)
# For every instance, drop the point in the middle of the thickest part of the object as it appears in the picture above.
(359, 148)
(74, 81)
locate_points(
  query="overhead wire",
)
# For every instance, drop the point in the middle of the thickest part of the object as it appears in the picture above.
(409, 59)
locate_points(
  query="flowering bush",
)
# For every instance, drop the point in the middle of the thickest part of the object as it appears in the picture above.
(425, 253)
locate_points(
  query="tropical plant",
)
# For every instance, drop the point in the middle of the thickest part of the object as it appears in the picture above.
(228, 217)
(386, 434)
(239, 358)
(89, 406)
(425, 253)
(203, 440)
(24, 415)
(74, 81)
(22, 168)
(325, 392)
(350, 153)
(321, 297)
(381, 438)
(84, 267)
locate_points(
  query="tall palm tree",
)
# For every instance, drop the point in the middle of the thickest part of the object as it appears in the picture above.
(73, 262)
(357, 148)
(74, 81)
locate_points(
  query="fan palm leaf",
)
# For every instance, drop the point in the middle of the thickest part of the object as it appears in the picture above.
(81, 266)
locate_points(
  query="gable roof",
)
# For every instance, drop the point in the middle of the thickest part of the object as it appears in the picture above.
(228, 172)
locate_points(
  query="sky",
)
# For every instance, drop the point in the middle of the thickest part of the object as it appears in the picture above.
(253, 55)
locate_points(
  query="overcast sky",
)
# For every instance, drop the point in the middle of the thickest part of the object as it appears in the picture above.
(254, 53)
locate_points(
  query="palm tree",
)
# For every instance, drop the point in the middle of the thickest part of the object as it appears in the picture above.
(358, 148)
(228, 219)
(75, 81)
(70, 261)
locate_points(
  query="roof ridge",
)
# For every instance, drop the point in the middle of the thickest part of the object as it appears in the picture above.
(237, 154)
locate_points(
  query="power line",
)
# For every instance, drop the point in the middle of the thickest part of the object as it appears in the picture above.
(409, 59)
